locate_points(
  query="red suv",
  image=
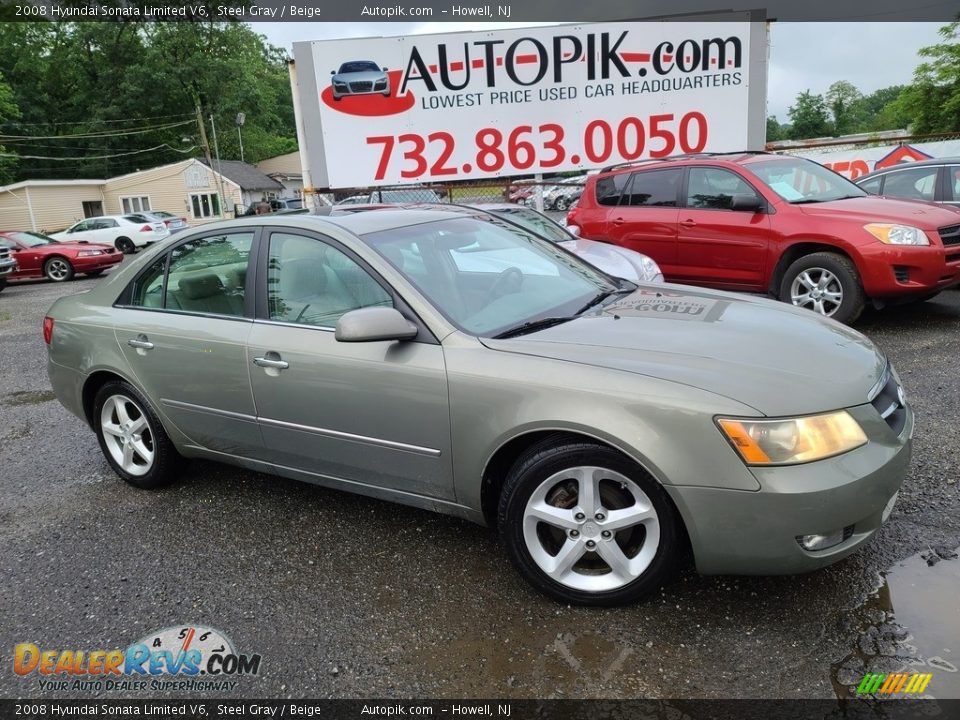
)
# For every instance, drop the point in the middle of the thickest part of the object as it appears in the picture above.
(773, 223)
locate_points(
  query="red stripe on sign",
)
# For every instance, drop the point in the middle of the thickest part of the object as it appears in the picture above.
(499, 61)
(527, 59)
(635, 57)
(456, 66)
(433, 68)
(667, 58)
(477, 64)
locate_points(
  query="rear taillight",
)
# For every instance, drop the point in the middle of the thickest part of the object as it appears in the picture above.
(167, 222)
(47, 329)
(146, 228)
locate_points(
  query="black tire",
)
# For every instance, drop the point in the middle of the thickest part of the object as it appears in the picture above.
(3, 283)
(555, 455)
(562, 203)
(94, 273)
(845, 273)
(58, 269)
(167, 463)
(125, 245)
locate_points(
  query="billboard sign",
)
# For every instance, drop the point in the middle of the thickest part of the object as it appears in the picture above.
(430, 108)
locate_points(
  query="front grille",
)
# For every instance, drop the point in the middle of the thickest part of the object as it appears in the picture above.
(4, 253)
(361, 87)
(901, 273)
(950, 235)
(887, 403)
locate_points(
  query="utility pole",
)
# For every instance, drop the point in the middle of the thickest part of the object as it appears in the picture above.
(206, 151)
(216, 149)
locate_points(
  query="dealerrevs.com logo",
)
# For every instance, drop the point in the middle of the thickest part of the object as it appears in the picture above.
(176, 658)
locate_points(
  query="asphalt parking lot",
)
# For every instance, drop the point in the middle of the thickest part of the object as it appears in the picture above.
(344, 596)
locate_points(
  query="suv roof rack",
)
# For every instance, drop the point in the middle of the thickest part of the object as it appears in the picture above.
(685, 156)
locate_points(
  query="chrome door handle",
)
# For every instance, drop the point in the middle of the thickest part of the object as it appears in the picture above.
(276, 364)
(140, 342)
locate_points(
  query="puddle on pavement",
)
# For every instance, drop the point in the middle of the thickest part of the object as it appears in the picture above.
(28, 397)
(911, 624)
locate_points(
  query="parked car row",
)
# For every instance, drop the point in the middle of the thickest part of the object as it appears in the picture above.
(786, 226)
(932, 180)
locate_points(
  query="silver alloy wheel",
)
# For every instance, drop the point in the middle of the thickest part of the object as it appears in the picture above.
(817, 289)
(58, 269)
(127, 434)
(599, 529)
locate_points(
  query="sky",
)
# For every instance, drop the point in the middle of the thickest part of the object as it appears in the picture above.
(803, 56)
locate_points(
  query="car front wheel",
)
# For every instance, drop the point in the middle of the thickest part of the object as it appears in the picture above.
(586, 525)
(826, 283)
(132, 438)
(58, 269)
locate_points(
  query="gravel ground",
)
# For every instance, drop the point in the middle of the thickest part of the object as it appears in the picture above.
(351, 597)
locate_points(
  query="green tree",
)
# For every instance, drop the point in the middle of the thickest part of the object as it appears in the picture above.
(843, 99)
(775, 131)
(932, 101)
(808, 117)
(8, 111)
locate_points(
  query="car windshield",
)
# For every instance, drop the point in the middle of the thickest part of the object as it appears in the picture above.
(804, 181)
(490, 277)
(532, 220)
(359, 66)
(31, 239)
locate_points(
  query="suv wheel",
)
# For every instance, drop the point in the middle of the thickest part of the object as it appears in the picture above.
(586, 525)
(826, 283)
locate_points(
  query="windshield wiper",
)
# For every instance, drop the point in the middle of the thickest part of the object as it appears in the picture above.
(604, 295)
(531, 326)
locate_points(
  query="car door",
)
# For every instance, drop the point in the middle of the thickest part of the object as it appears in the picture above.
(83, 230)
(104, 230)
(645, 220)
(183, 331)
(373, 413)
(951, 185)
(717, 245)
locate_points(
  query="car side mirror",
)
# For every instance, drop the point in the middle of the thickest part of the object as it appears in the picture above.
(384, 69)
(746, 202)
(374, 324)
(333, 72)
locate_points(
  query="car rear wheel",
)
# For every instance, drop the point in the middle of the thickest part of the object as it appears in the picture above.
(586, 525)
(826, 283)
(132, 438)
(58, 269)
(125, 245)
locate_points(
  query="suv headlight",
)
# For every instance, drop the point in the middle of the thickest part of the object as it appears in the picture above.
(890, 234)
(794, 440)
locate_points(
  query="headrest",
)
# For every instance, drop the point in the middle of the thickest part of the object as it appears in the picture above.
(304, 276)
(202, 285)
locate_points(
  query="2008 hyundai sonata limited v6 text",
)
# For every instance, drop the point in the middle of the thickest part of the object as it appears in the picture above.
(470, 367)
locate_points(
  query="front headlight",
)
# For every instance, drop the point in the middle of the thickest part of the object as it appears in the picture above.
(890, 234)
(795, 440)
(650, 271)
(88, 253)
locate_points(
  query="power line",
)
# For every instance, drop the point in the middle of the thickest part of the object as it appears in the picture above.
(96, 157)
(95, 122)
(104, 134)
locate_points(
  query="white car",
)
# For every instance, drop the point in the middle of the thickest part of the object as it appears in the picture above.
(124, 232)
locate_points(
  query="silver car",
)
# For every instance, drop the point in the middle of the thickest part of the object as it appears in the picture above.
(359, 77)
(601, 426)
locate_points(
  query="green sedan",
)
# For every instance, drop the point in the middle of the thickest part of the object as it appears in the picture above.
(470, 367)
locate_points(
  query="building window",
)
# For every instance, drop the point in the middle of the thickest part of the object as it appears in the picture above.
(135, 204)
(205, 205)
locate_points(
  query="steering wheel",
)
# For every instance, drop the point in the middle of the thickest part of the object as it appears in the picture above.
(508, 281)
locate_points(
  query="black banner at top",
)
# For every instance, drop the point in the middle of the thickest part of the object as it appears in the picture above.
(469, 11)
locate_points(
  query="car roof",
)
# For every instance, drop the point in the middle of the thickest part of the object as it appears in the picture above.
(953, 160)
(739, 157)
(362, 223)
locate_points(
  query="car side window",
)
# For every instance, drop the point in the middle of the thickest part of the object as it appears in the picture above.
(653, 188)
(872, 185)
(713, 188)
(310, 282)
(81, 227)
(912, 184)
(953, 183)
(610, 188)
(206, 276)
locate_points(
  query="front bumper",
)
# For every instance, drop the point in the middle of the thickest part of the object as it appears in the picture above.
(739, 532)
(96, 262)
(8, 268)
(890, 271)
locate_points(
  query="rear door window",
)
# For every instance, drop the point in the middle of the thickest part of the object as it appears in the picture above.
(912, 184)
(653, 188)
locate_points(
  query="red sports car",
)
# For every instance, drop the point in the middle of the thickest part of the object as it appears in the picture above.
(40, 256)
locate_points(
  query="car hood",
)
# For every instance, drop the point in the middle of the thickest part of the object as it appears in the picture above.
(777, 359)
(926, 216)
(63, 245)
(366, 75)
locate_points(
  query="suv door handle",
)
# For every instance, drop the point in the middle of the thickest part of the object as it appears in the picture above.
(617, 221)
(688, 223)
(273, 362)
(140, 342)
